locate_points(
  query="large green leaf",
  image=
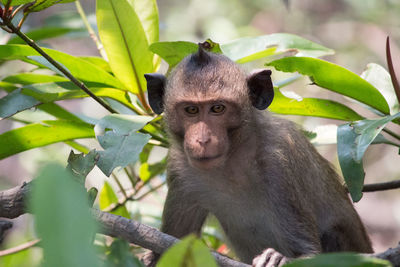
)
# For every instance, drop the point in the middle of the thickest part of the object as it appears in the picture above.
(30, 78)
(251, 48)
(125, 42)
(63, 220)
(334, 78)
(312, 107)
(80, 68)
(32, 95)
(339, 260)
(42, 134)
(42, 33)
(123, 144)
(107, 197)
(17, 2)
(43, 4)
(353, 140)
(147, 13)
(173, 52)
(188, 252)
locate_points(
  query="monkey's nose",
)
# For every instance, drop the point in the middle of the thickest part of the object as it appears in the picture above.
(203, 140)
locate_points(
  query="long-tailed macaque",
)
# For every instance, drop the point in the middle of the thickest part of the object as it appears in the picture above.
(274, 195)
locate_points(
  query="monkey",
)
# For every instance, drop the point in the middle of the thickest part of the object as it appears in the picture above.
(274, 195)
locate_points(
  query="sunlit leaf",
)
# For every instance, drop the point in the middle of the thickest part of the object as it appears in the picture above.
(42, 33)
(125, 43)
(107, 197)
(250, 48)
(173, 52)
(339, 260)
(353, 140)
(312, 107)
(148, 171)
(63, 220)
(334, 78)
(188, 252)
(42, 134)
(43, 4)
(80, 68)
(30, 78)
(16, 2)
(147, 13)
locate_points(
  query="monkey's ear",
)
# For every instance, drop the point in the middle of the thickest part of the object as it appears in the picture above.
(261, 89)
(155, 90)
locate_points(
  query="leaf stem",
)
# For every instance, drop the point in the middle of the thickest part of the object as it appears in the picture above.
(119, 185)
(89, 27)
(78, 83)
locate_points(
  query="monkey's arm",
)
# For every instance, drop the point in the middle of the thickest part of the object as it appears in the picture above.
(182, 215)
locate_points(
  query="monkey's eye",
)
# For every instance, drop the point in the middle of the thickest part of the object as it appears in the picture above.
(217, 108)
(192, 110)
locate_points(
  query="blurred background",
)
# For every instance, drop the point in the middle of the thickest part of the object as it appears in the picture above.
(356, 30)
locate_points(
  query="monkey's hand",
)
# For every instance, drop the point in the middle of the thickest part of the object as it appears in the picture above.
(150, 259)
(270, 258)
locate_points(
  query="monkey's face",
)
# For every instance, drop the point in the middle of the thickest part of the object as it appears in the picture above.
(206, 128)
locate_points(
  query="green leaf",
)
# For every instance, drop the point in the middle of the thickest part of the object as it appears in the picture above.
(339, 260)
(188, 252)
(98, 61)
(334, 78)
(42, 134)
(107, 197)
(173, 52)
(42, 33)
(62, 219)
(30, 78)
(16, 2)
(148, 171)
(128, 53)
(312, 107)
(80, 68)
(251, 48)
(147, 13)
(21, 99)
(15, 102)
(380, 78)
(123, 144)
(43, 4)
(353, 140)
(80, 164)
(121, 256)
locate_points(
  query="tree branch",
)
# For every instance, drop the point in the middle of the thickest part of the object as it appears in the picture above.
(12, 205)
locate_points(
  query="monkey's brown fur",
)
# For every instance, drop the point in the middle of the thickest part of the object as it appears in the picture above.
(258, 174)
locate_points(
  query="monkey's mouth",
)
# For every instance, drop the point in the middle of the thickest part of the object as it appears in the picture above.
(206, 158)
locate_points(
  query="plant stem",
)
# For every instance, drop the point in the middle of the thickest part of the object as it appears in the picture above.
(119, 185)
(78, 83)
(391, 133)
(90, 29)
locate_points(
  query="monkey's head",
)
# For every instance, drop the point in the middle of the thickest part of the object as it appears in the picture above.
(207, 99)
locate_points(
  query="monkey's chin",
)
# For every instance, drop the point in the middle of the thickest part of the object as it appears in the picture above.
(207, 163)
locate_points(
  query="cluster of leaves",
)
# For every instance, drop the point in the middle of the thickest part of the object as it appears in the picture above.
(129, 33)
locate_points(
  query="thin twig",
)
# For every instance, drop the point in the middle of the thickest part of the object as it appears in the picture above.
(391, 133)
(395, 82)
(92, 33)
(381, 186)
(78, 83)
(121, 188)
(19, 248)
